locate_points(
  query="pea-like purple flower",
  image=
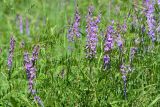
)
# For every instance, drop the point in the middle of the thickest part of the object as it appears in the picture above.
(11, 52)
(92, 30)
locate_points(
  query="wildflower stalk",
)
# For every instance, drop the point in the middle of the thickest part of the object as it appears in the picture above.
(74, 30)
(108, 45)
(92, 30)
(29, 64)
(150, 20)
(10, 56)
(132, 54)
(124, 73)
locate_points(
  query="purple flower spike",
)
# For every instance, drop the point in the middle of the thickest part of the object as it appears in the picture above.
(76, 24)
(29, 64)
(27, 27)
(11, 51)
(124, 70)
(106, 60)
(124, 73)
(92, 30)
(35, 53)
(150, 19)
(74, 29)
(124, 27)
(119, 42)
(132, 53)
(20, 24)
(108, 45)
(38, 99)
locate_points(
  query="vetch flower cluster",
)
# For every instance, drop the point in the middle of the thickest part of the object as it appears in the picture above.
(124, 73)
(29, 64)
(124, 70)
(150, 19)
(108, 45)
(119, 42)
(92, 30)
(11, 52)
(74, 31)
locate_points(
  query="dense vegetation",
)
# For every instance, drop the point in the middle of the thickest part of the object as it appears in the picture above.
(68, 53)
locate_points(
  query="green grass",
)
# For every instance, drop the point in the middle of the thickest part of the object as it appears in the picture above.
(78, 87)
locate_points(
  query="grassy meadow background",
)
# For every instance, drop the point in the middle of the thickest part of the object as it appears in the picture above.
(62, 77)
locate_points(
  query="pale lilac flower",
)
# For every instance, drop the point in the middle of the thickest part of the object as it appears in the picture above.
(11, 51)
(92, 30)
(158, 2)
